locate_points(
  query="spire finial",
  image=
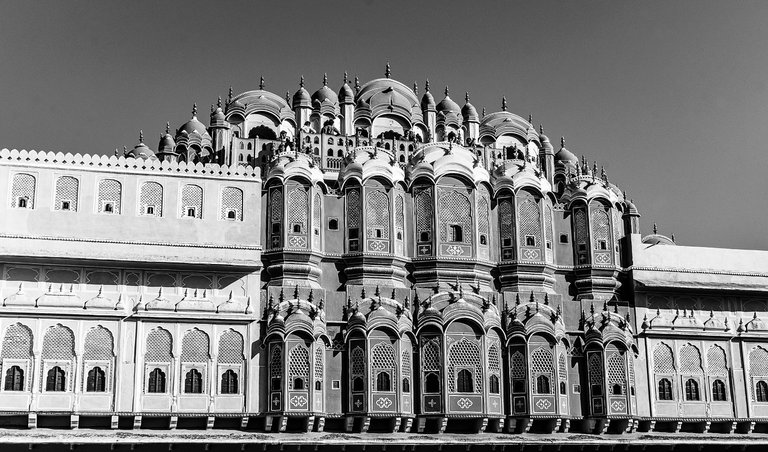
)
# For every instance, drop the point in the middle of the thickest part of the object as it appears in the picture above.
(541, 129)
(483, 110)
(655, 229)
(229, 99)
(301, 82)
(141, 136)
(530, 119)
(673, 236)
(447, 91)
(466, 96)
(357, 85)
(194, 109)
(562, 142)
(415, 88)
(388, 71)
(345, 77)
(426, 86)
(504, 103)
(325, 79)
(261, 82)
(218, 102)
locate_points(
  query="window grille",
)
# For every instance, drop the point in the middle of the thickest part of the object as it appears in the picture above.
(232, 201)
(377, 214)
(530, 217)
(316, 215)
(399, 213)
(464, 381)
(690, 360)
(663, 361)
(14, 379)
(66, 190)
(518, 366)
(353, 208)
(617, 380)
(319, 365)
(665, 389)
(758, 368)
(195, 347)
(96, 381)
(231, 347)
(23, 188)
(431, 353)
(192, 196)
(423, 207)
(276, 367)
(298, 367)
(506, 223)
(357, 367)
(483, 222)
(494, 358)
(595, 370)
(542, 365)
(110, 191)
(59, 343)
(17, 343)
(601, 224)
(158, 347)
(692, 390)
(718, 391)
(383, 361)
(581, 236)
(562, 368)
(464, 354)
(151, 195)
(548, 232)
(716, 361)
(298, 207)
(229, 383)
(276, 206)
(98, 344)
(456, 210)
(193, 382)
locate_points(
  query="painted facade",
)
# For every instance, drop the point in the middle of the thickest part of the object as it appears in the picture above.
(360, 260)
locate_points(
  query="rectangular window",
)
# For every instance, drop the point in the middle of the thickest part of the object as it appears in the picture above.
(530, 240)
(354, 233)
(333, 224)
(577, 389)
(563, 238)
(602, 245)
(425, 236)
(276, 228)
(335, 384)
(149, 210)
(507, 242)
(65, 205)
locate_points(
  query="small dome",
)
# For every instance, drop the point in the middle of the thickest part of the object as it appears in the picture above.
(630, 207)
(301, 98)
(427, 101)
(658, 239)
(193, 125)
(346, 96)
(142, 151)
(166, 145)
(217, 116)
(468, 111)
(325, 93)
(564, 155)
(448, 105)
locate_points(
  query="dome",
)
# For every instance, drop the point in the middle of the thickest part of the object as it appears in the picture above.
(325, 93)
(545, 143)
(193, 125)
(564, 155)
(217, 116)
(468, 111)
(346, 96)
(448, 105)
(427, 101)
(658, 239)
(301, 97)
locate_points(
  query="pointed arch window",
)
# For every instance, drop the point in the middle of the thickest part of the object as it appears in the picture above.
(383, 382)
(493, 384)
(96, 380)
(229, 382)
(665, 389)
(464, 381)
(718, 391)
(56, 380)
(193, 382)
(761, 391)
(542, 384)
(692, 390)
(156, 382)
(14, 379)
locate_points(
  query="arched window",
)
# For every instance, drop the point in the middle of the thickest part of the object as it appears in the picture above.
(563, 389)
(665, 389)
(298, 383)
(493, 384)
(456, 234)
(616, 389)
(718, 391)
(96, 380)
(193, 382)
(383, 382)
(692, 390)
(14, 379)
(464, 381)
(229, 382)
(432, 383)
(56, 380)
(406, 385)
(156, 382)
(761, 391)
(358, 384)
(542, 384)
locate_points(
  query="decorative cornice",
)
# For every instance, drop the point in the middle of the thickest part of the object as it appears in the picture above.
(132, 242)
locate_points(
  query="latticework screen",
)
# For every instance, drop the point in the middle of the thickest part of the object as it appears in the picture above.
(423, 207)
(17, 342)
(158, 347)
(298, 207)
(151, 195)
(377, 214)
(530, 217)
(716, 361)
(192, 196)
(353, 208)
(298, 365)
(616, 371)
(99, 344)
(506, 221)
(59, 343)
(276, 206)
(758, 362)
(595, 367)
(66, 190)
(110, 191)
(195, 347)
(601, 225)
(518, 366)
(232, 199)
(319, 362)
(431, 354)
(690, 360)
(383, 359)
(23, 187)
(464, 354)
(455, 209)
(663, 359)
(542, 363)
(399, 213)
(231, 347)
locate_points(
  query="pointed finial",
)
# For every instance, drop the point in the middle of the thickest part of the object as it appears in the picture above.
(533, 298)
(311, 296)
(301, 82)
(517, 299)
(426, 86)
(388, 71)
(562, 142)
(483, 110)
(194, 109)
(673, 236)
(345, 77)
(655, 229)
(141, 136)
(447, 91)
(296, 291)
(466, 96)
(261, 82)
(541, 129)
(376, 292)
(325, 79)
(281, 296)
(229, 99)
(362, 292)
(530, 119)
(504, 103)
(415, 88)
(218, 102)
(288, 98)
(357, 84)
(546, 298)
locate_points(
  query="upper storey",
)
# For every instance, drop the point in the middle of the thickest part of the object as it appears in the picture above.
(64, 206)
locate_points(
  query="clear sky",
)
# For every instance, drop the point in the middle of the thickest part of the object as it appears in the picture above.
(672, 97)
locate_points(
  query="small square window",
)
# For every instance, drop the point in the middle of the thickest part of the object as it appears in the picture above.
(333, 224)
(507, 242)
(335, 384)
(66, 205)
(530, 240)
(425, 236)
(354, 233)
(22, 202)
(378, 233)
(563, 238)
(483, 239)
(549, 245)
(109, 207)
(577, 389)
(296, 228)
(399, 235)
(191, 212)
(231, 214)
(149, 210)
(602, 244)
(582, 247)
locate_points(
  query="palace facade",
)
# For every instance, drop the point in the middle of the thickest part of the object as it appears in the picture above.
(363, 260)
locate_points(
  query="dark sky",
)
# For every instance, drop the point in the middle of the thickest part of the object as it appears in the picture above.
(672, 97)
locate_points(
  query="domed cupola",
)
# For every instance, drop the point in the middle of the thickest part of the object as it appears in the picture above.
(564, 156)
(346, 96)
(325, 94)
(447, 106)
(192, 126)
(217, 116)
(166, 147)
(658, 239)
(468, 111)
(193, 143)
(301, 97)
(141, 150)
(427, 100)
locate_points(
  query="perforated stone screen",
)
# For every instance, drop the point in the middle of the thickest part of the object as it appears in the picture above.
(383, 358)
(530, 217)
(399, 213)
(353, 208)
(151, 195)
(377, 214)
(601, 225)
(232, 199)
(663, 360)
(110, 191)
(690, 360)
(506, 220)
(595, 367)
(542, 363)
(276, 205)
(423, 207)
(431, 354)
(616, 373)
(464, 354)
(716, 361)
(276, 361)
(357, 361)
(17, 342)
(23, 187)
(158, 346)
(298, 207)
(758, 362)
(455, 208)
(319, 363)
(298, 363)
(98, 344)
(66, 190)
(231, 347)
(562, 368)
(518, 366)
(483, 212)
(580, 223)
(195, 346)
(59, 343)
(192, 196)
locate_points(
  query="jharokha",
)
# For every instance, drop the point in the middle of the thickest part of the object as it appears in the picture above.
(359, 260)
